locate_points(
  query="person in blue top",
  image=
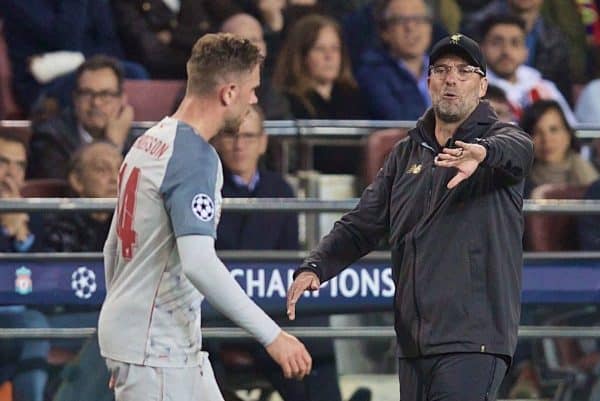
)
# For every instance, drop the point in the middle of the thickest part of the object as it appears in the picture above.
(393, 77)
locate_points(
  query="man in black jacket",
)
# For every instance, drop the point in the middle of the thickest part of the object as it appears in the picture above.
(450, 198)
(92, 173)
(101, 112)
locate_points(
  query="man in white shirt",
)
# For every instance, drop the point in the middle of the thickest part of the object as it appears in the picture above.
(504, 48)
(160, 259)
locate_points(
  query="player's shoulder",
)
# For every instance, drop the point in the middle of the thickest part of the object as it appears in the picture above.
(192, 158)
(189, 147)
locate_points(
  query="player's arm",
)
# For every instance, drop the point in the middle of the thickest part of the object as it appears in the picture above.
(189, 189)
(204, 269)
(209, 275)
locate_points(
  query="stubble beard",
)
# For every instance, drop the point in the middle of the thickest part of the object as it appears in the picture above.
(446, 113)
(232, 124)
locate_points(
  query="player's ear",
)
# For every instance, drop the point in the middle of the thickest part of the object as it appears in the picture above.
(227, 93)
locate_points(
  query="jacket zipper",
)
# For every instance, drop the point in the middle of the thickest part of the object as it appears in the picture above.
(430, 188)
(414, 241)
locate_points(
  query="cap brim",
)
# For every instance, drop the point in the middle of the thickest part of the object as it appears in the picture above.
(452, 49)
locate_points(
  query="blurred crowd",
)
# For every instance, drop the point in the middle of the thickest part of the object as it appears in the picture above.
(64, 65)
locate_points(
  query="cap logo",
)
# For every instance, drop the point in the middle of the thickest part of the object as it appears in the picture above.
(454, 39)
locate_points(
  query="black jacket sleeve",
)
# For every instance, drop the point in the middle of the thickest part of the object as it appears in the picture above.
(358, 232)
(509, 151)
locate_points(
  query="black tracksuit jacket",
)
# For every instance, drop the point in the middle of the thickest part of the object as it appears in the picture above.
(457, 253)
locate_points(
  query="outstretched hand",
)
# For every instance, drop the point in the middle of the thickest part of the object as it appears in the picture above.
(465, 158)
(304, 281)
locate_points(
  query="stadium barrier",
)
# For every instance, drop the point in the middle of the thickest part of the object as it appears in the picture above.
(308, 128)
(307, 205)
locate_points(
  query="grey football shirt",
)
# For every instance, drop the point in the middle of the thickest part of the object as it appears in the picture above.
(169, 186)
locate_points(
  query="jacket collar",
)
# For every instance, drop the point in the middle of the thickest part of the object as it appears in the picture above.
(482, 116)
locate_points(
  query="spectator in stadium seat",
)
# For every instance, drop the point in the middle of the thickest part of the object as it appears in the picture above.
(393, 77)
(101, 112)
(279, 16)
(39, 32)
(499, 102)
(505, 51)
(361, 29)
(548, 49)
(557, 160)
(587, 109)
(16, 233)
(160, 34)
(275, 105)
(21, 361)
(243, 177)
(313, 71)
(579, 22)
(92, 173)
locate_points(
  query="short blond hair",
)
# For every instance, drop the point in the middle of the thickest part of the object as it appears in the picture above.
(215, 56)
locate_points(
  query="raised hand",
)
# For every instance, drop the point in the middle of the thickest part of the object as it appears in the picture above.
(119, 125)
(465, 158)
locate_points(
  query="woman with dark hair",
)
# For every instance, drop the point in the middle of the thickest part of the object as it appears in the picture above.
(313, 70)
(557, 160)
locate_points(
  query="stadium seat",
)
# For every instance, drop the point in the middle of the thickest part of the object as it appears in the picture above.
(553, 232)
(152, 99)
(23, 131)
(6, 393)
(560, 361)
(45, 188)
(378, 145)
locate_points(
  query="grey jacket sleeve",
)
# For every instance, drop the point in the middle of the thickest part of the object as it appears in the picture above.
(208, 274)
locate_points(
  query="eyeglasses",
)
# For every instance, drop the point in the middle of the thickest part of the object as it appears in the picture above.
(407, 19)
(240, 136)
(462, 71)
(87, 95)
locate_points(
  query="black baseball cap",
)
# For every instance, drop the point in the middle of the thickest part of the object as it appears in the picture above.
(460, 45)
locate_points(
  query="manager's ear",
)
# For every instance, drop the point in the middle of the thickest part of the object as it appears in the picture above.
(483, 85)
